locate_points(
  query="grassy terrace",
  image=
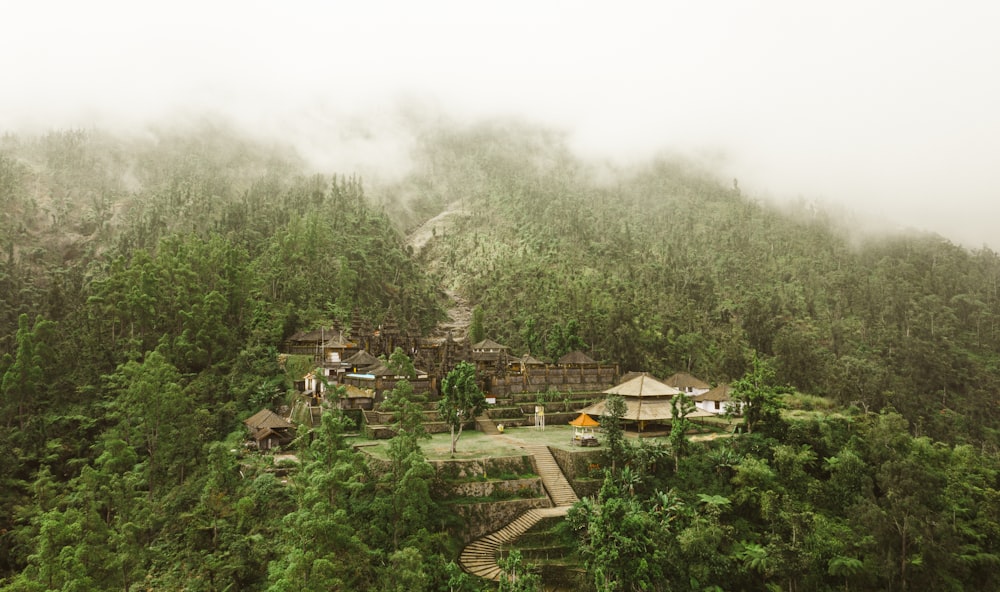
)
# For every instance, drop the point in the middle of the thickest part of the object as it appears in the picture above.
(475, 444)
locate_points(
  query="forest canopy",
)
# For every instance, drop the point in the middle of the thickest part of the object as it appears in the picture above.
(147, 284)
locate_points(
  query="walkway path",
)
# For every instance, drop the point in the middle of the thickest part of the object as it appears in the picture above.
(485, 425)
(556, 485)
(480, 556)
(458, 309)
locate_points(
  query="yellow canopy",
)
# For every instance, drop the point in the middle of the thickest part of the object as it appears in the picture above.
(584, 421)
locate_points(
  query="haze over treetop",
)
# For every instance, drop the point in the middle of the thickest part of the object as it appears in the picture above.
(886, 109)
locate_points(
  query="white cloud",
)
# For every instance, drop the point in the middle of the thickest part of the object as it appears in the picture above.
(885, 107)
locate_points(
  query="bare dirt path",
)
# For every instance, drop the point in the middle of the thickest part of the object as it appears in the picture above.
(459, 316)
(422, 234)
(459, 311)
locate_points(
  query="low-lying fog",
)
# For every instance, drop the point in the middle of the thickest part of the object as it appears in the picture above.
(887, 109)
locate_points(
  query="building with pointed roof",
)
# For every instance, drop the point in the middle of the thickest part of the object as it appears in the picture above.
(647, 400)
(362, 359)
(348, 358)
(378, 378)
(687, 384)
(583, 430)
(269, 430)
(584, 421)
(717, 401)
(576, 358)
(487, 345)
(327, 345)
(336, 349)
(490, 357)
(525, 363)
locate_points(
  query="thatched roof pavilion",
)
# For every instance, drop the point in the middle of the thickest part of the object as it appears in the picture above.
(646, 400)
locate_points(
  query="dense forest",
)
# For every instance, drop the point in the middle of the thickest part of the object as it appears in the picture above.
(663, 268)
(147, 283)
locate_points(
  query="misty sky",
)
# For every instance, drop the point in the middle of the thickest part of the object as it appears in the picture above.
(889, 108)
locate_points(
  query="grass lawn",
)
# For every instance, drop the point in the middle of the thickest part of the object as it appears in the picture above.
(472, 444)
(475, 444)
(556, 436)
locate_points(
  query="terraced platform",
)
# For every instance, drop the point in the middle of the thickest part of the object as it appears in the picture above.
(480, 556)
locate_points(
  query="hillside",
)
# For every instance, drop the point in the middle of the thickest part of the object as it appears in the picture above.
(658, 267)
(663, 268)
(147, 283)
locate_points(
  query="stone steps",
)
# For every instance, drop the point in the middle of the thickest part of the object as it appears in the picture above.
(555, 482)
(480, 556)
(486, 425)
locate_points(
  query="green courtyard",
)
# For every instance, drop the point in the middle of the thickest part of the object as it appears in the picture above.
(475, 444)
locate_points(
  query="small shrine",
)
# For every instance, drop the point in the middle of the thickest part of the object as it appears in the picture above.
(583, 430)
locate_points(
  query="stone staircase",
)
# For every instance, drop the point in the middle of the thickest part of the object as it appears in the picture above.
(558, 488)
(486, 425)
(480, 556)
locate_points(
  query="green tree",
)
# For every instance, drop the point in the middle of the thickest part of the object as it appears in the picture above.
(461, 399)
(563, 338)
(24, 381)
(680, 406)
(704, 538)
(530, 337)
(401, 364)
(403, 502)
(845, 567)
(120, 482)
(625, 545)
(321, 546)
(516, 575)
(407, 408)
(758, 396)
(756, 558)
(63, 559)
(458, 580)
(406, 571)
(477, 332)
(155, 416)
(614, 431)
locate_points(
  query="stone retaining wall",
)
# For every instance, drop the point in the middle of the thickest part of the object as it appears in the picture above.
(554, 377)
(525, 488)
(459, 469)
(575, 465)
(384, 432)
(482, 519)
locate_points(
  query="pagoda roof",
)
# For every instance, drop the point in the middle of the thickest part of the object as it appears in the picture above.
(584, 421)
(265, 418)
(723, 392)
(684, 380)
(638, 409)
(643, 385)
(377, 369)
(529, 360)
(362, 358)
(317, 335)
(576, 357)
(488, 344)
(338, 341)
